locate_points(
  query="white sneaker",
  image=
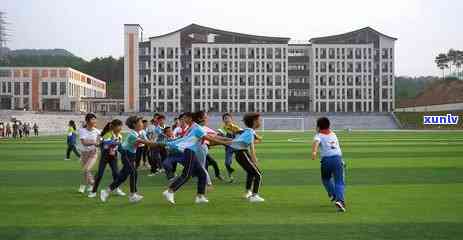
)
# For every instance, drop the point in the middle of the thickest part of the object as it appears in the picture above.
(92, 195)
(247, 195)
(256, 198)
(67, 159)
(169, 196)
(89, 188)
(119, 192)
(104, 195)
(135, 198)
(201, 199)
(151, 174)
(82, 189)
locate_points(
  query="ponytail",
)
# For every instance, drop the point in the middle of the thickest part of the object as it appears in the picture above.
(108, 127)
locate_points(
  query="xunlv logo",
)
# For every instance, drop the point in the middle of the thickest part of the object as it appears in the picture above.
(449, 119)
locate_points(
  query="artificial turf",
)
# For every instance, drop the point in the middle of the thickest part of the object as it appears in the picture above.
(400, 185)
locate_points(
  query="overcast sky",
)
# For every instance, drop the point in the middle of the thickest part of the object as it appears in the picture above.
(91, 28)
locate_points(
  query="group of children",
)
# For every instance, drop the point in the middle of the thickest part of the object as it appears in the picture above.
(187, 142)
(18, 129)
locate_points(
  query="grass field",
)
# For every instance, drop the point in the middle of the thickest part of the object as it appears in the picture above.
(400, 185)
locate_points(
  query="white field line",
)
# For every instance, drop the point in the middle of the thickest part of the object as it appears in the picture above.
(435, 140)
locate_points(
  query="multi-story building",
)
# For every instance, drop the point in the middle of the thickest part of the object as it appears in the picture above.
(198, 67)
(353, 72)
(47, 88)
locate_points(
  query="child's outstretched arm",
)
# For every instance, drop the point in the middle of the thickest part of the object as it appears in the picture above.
(315, 149)
(216, 139)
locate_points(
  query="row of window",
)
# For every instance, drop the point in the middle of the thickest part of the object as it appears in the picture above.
(299, 92)
(358, 67)
(242, 53)
(349, 93)
(240, 106)
(353, 106)
(359, 80)
(352, 53)
(269, 67)
(241, 80)
(215, 93)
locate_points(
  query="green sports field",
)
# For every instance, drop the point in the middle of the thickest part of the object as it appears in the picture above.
(400, 185)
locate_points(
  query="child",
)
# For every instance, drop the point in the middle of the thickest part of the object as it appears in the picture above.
(142, 150)
(36, 129)
(194, 152)
(71, 140)
(112, 138)
(245, 155)
(128, 154)
(89, 138)
(229, 129)
(155, 133)
(332, 165)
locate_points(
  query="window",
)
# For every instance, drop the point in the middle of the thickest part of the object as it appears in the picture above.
(54, 88)
(26, 88)
(44, 88)
(17, 90)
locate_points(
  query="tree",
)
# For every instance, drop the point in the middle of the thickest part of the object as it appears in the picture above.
(459, 64)
(442, 63)
(452, 56)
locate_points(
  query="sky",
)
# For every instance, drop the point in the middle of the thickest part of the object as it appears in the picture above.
(94, 28)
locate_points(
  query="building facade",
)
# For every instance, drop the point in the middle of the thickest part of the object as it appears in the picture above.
(201, 68)
(47, 88)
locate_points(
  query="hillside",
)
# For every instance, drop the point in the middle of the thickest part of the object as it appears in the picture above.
(438, 92)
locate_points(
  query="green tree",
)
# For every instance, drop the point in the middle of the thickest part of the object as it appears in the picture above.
(442, 63)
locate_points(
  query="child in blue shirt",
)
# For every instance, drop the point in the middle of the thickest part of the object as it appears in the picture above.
(245, 155)
(128, 153)
(332, 165)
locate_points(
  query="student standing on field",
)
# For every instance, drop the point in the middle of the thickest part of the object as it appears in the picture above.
(71, 140)
(111, 139)
(36, 129)
(245, 154)
(89, 138)
(229, 129)
(332, 165)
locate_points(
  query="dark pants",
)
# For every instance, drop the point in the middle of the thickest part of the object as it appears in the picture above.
(142, 154)
(212, 162)
(156, 158)
(170, 164)
(191, 167)
(36, 132)
(228, 159)
(105, 159)
(254, 175)
(128, 169)
(332, 173)
(72, 147)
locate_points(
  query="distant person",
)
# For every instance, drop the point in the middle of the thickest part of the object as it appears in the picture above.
(15, 129)
(71, 140)
(2, 129)
(28, 129)
(332, 165)
(36, 129)
(8, 130)
(89, 137)
(20, 130)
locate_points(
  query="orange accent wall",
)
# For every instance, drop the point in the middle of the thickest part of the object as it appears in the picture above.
(35, 90)
(131, 71)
